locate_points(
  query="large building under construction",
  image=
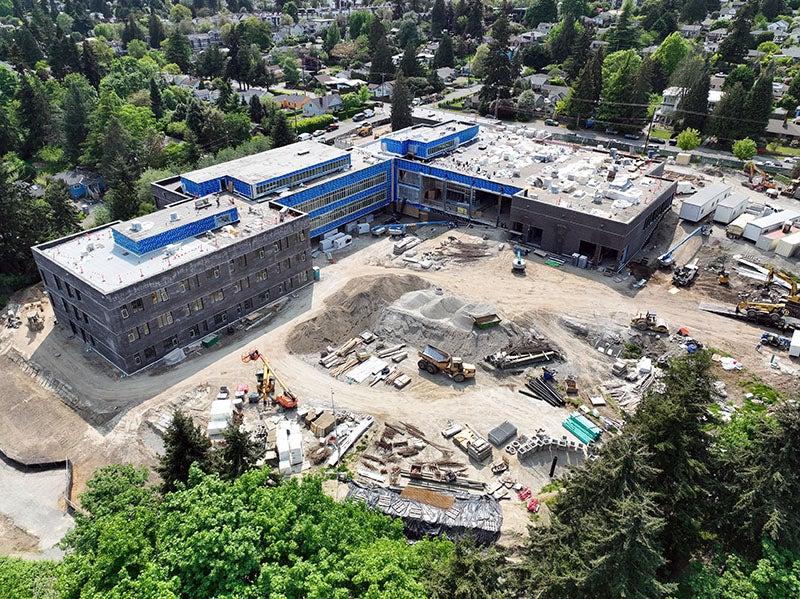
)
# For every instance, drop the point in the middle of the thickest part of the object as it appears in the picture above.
(234, 237)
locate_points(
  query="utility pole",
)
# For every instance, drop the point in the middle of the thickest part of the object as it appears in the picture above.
(649, 129)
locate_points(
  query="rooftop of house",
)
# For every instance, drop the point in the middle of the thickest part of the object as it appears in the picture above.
(273, 163)
(97, 259)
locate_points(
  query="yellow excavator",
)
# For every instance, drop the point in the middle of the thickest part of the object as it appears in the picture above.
(266, 382)
(793, 299)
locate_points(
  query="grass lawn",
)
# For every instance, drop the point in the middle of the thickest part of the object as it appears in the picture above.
(664, 134)
(780, 150)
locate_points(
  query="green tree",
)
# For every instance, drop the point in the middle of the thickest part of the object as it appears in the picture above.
(740, 74)
(691, 75)
(64, 217)
(34, 114)
(726, 120)
(735, 45)
(772, 8)
(444, 53)
(758, 105)
(381, 68)
(178, 50)
(561, 38)
(479, 66)
(90, 67)
(211, 62)
(584, 95)
(256, 109)
(401, 104)
(500, 72)
(474, 26)
(625, 91)
(671, 52)
(408, 63)
(280, 132)
(156, 103)
(623, 35)
(332, 37)
(438, 18)
(540, 11)
(694, 11)
(239, 454)
(79, 103)
(359, 23)
(155, 31)
(688, 139)
(131, 31)
(470, 573)
(184, 444)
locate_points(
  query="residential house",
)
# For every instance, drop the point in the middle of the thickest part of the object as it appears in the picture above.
(784, 130)
(323, 105)
(292, 101)
(793, 53)
(527, 38)
(446, 74)
(82, 183)
(202, 41)
(716, 35)
(537, 80)
(381, 91)
(672, 97)
(779, 25)
(717, 81)
(597, 44)
(691, 31)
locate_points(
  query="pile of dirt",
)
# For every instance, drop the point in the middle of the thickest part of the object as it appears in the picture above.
(350, 311)
(430, 316)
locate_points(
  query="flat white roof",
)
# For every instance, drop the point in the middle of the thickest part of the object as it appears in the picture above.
(98, 261)
(707, 194)
(273, 163)
(429, 133)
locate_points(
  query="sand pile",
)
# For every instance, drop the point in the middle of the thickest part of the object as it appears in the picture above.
(350, 311)
(427, 316)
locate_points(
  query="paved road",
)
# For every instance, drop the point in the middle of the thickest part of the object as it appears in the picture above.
(349, 127)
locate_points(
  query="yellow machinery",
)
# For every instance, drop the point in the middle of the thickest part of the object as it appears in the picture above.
(756, 310)
(649, 321)
(724, 278)
(364, 130)
(266, 382)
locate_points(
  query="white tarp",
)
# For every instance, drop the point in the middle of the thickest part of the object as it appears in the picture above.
(371, 366)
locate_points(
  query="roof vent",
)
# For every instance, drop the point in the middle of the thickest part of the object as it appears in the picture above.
(303, 152)
(90, 247)
(201, 203)
(136, 226)
(174, 217)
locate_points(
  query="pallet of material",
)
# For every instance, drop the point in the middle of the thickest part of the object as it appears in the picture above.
(428, 496)
(401, 381)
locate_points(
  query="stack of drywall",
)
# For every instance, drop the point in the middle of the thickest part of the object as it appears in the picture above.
(789, 245)
(756, 228)
(289, 443)
(730, 207)
(220, 414)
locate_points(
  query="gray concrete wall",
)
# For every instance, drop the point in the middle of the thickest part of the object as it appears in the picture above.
(564, 229)
(166, 192)
(107, 328)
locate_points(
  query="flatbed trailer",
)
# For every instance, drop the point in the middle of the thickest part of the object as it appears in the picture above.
(786, 323)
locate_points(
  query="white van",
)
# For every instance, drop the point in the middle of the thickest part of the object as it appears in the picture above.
(304, 137)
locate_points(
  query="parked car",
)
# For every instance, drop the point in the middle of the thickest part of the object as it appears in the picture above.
(304, 137)
(551, 122)
(359, 116)
(632, 136)
(658, 141)
(369, 113)
(332, 127)
(318, 133)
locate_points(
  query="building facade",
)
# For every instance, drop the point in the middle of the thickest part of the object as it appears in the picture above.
(136, 298)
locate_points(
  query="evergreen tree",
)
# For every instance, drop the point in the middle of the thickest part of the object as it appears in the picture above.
(381, 67)
(34, 114)
(474, 26)
(562, 38)
(131, 31)
(660, 17)
(672, 426)
(184, 444)
(63, 215)
(694, 11)
(540, 11)
(401, 104)
(408, 64)
(211, 62)
(377, 32)
(281, 133)
(239, 454)
(178, 50)
(444, 53)
(791, 99)
(256, 109)
(692, 75)
(471, 573)
(155, 31)
(434, 81)
(9, 135)
(28, 48)
(64, 58)
(90, 67)
(580, 50)
(79, 102)
(734, 47)
(623, 35)
(740, 74)
(758, 105)
(500, 72)
(438, 18)
(581, 102)
(726, 122)
(156, 103)
(772, 8)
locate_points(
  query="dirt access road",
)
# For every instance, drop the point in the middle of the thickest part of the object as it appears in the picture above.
(34, 422)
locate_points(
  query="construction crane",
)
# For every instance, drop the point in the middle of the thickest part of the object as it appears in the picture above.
(398, 230)
(266, 382)
(667, 259)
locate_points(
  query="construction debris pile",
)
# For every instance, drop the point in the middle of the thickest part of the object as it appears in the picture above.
(454, 250)
(431, 513)
(354, 360)
(524, 447)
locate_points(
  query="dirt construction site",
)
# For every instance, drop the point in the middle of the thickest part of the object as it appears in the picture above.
(553, 349)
